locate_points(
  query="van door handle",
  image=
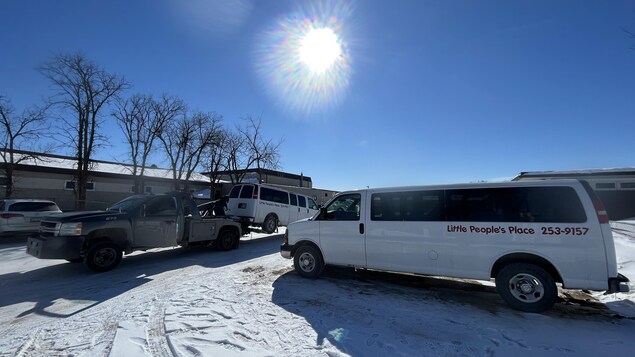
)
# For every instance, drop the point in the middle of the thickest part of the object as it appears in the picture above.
(361, 228)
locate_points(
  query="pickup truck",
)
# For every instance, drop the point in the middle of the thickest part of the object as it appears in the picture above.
(140, 222)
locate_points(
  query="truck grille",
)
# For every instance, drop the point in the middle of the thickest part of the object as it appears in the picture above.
(48, 229)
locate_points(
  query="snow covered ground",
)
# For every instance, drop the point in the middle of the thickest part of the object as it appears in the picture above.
(250, 302)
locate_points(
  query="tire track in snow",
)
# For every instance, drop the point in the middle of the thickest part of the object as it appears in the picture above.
(155, 331)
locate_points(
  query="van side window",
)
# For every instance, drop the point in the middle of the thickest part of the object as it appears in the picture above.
(247, 192)
(235, 191)
(312, 204)
(302, 201)
(272, 195)
(554, 204)
(344, 208)
(294, 199)
(407, 206)
(518, 204)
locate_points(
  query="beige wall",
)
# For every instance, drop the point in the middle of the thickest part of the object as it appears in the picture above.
(107, 190)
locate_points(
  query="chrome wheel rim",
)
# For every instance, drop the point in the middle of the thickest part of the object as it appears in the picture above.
(526, 288)
(271, 225)
(306, 262)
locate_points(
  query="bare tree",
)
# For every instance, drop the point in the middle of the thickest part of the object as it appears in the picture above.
(83, 89)
(207, 134)
(141, 120)
(17, 130)
(215, 159)
(264, 153)
(236, 162)
(185, 141)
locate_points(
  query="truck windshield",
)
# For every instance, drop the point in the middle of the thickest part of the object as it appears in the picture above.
(129, 204)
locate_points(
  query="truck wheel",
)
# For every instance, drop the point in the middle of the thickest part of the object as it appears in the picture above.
(103, 257)
(227, 240)
(308, 262)
(527, 287)
(270, 224)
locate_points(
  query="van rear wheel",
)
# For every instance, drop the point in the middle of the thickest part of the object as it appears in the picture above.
(270, 224)
(527, 287)
(308, 262)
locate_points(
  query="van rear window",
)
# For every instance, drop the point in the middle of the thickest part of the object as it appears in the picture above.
(247, 192)
(235, 191)
(513, 204)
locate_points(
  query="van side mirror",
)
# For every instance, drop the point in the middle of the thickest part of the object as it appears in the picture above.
(322, 215)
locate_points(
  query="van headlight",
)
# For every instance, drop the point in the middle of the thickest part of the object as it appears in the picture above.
(70, 229)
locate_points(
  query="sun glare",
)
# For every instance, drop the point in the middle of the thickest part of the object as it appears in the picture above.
(304, 58)
(319, 49)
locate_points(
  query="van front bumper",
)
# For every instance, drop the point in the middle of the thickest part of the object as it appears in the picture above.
(285, 250)
(619, 284)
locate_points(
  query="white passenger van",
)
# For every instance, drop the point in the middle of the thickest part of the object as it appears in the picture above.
(527, 235)
(269, 206)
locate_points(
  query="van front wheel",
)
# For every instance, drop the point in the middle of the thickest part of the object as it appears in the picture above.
(308, 262)
(527, 287)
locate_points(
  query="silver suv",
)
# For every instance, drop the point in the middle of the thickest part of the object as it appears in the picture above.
(22, 216)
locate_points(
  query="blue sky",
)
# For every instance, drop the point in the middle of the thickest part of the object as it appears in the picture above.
(425, 92)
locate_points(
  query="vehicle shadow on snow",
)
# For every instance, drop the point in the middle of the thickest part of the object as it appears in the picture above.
(368, 291)
(51, 285)
(11, 241)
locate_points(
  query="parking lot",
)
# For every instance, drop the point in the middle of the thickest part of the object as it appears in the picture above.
(250, 301)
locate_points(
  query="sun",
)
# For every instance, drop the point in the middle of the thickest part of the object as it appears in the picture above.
(305, 57)
(320, 49)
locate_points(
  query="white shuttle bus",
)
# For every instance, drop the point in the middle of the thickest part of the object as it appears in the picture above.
(269, 206)
(528, 236)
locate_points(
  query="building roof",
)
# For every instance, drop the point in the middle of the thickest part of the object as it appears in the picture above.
(59, 163)
(626, 171)
(267, 172)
